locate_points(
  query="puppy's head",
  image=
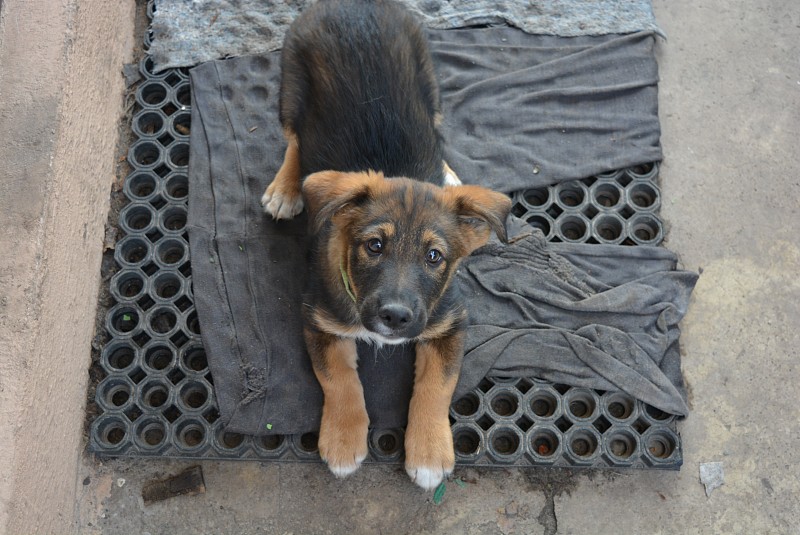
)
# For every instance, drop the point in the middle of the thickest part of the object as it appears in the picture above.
(396, 242)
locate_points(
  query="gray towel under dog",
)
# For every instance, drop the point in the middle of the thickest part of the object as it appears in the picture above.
(248, 271)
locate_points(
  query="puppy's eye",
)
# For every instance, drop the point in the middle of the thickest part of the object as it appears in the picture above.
(433, 257)
(374, 246)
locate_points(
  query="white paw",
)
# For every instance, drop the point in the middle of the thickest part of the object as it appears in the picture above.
(344, 470)
(450, 179)
(281, 206)
(427, 477)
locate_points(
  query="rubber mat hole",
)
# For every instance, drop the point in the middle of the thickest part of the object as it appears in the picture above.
(271, 442)
(174, 219)
(153, 93)
(504, 404)
(660, 446)
(158, 357)
(130, 286)
(519, 210)
(192, 435)
(134, 251)
(232, 440)
(656, 414)
(167, 285)
(133, 413)
(195, 360)
(545, 443)
(485, 422)
(172, 413)
(554, 211)
(642, 196)
(467, 405)
(467, 442)
(540, 222)
(146, 153)
(138, 218)
(537, 197)
(620, 406)
(544, 404)
(485, 384)
(571, 196)
(192, 323)
(163, 321)
(120, 396)
(154, 434)
(308, 442)
(388, 443)
(176, 376)
(179, 338)
(607, 195)
(155, 396)
(114, 434)
(645, 229)
(572, 228)
(141, 185)
(148, 123)
(581, 405)
(181, 123)
(137, 375)
(194, 395)
(524, 423)
(622, 445)
(171, 252)
(177, 186)
(173, 78)
(640, 426)
(601, 424)
(120, 358)
(642, 169)
(609, 228)
(211, 415)
(179, 154)
(183, 94)
(583, 444)
(505, 443)
(125, 320)
(563, 424)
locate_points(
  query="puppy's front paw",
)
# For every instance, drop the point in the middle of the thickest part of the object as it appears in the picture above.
(429, 453)
(343, 440)
(282, 202)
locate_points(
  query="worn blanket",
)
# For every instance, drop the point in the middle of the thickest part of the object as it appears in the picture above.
(187, 33)
(597, 316)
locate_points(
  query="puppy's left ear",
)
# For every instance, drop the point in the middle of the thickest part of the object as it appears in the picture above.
(480, 211)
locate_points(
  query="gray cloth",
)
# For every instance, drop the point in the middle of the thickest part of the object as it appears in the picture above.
(248, 271)
(524, 111)
(188, 33)
(597, 316)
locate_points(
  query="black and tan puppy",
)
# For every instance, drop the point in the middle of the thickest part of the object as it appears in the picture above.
(359, 106)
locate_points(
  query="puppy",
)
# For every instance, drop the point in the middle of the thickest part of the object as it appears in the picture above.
(359, 106)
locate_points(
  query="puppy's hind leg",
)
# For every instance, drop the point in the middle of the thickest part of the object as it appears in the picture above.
(283, 198)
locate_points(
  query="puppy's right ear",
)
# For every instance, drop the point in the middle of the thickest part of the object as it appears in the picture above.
(330, 193)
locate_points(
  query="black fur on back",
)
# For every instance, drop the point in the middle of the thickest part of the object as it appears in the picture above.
(359, 91)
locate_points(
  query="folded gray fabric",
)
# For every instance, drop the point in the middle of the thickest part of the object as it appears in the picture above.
(188, 33)
(524, 111)
(598, 316)
(248, 271)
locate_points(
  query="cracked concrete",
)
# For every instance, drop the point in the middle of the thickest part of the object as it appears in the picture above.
(730, 112)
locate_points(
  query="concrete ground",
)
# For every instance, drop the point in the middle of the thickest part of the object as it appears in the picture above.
(730, 112)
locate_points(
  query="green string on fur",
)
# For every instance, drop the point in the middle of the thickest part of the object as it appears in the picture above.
(346, 281)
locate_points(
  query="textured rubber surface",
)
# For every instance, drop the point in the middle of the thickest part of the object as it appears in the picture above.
(157, 396)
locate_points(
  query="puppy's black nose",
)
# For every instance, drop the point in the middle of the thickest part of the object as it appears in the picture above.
(395, 316)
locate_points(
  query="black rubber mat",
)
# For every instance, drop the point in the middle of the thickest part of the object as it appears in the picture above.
(157, 396)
